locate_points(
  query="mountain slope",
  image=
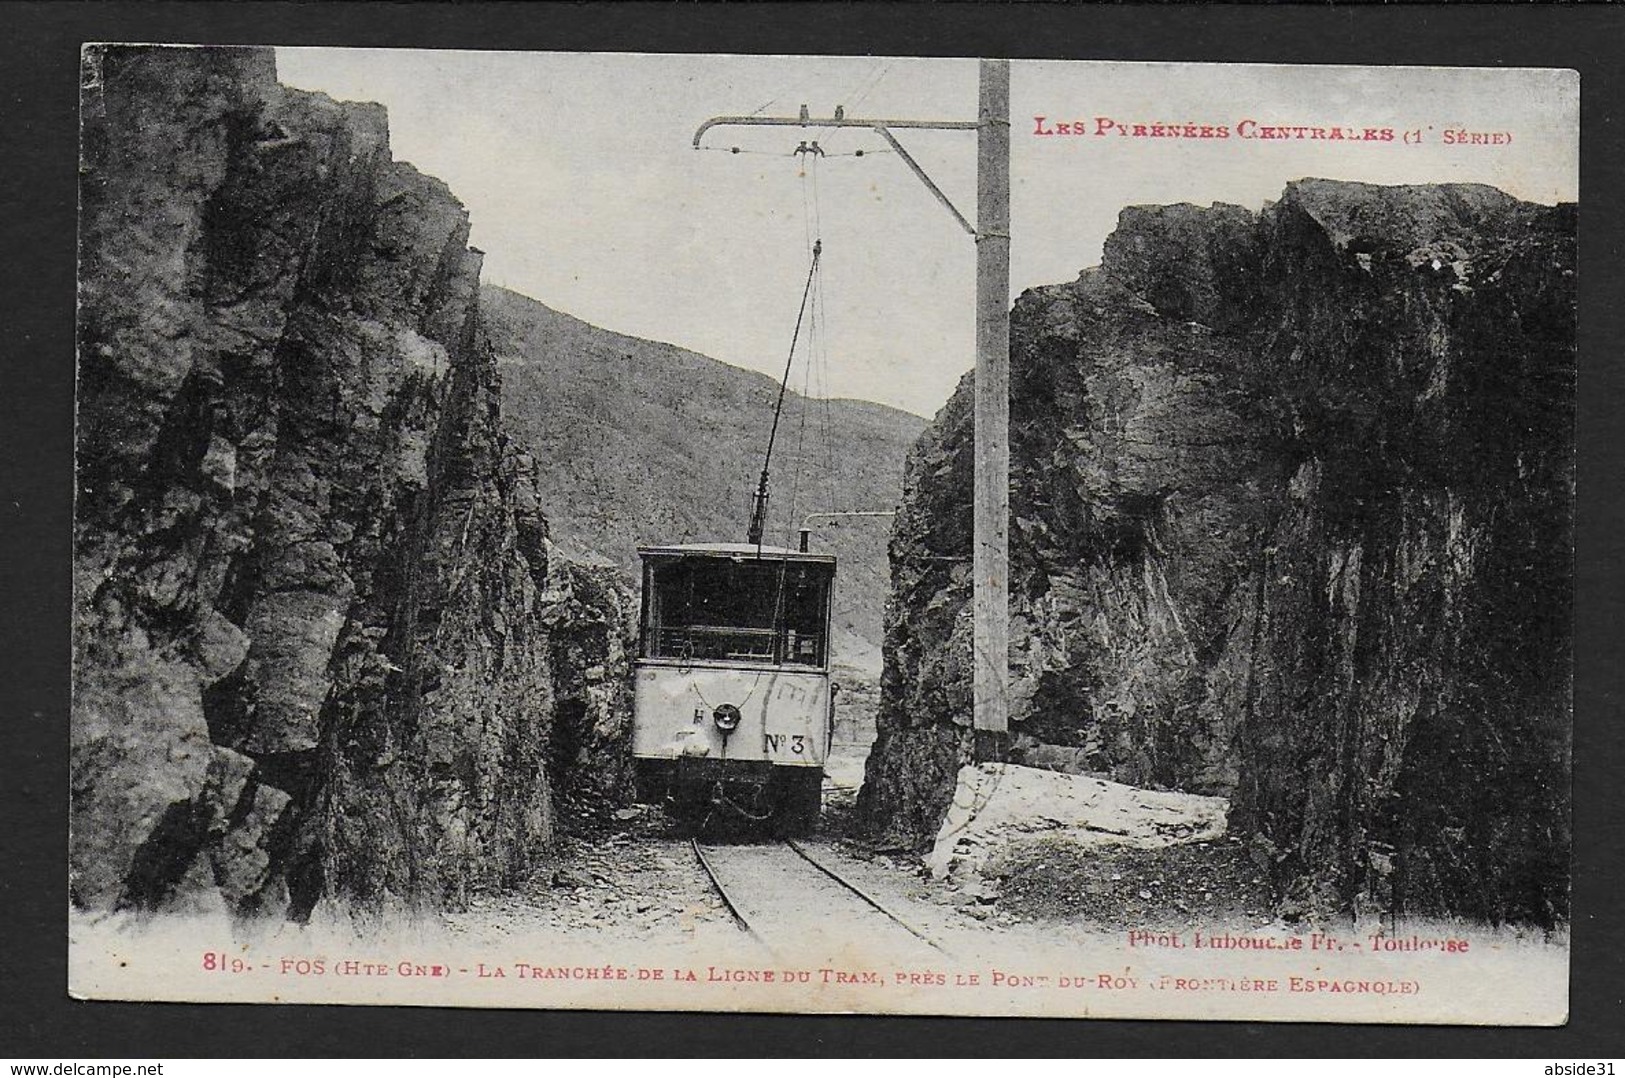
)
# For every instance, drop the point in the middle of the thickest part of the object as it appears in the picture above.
(642, 442)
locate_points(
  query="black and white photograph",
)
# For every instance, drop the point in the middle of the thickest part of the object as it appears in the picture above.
(824, 534)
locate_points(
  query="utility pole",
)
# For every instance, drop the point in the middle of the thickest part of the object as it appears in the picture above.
(990, 560)
(990, 602)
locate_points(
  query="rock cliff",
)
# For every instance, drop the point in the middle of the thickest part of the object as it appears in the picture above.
(324, 650)
(1291, 503)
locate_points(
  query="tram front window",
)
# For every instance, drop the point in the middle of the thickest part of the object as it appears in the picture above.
(742, 611)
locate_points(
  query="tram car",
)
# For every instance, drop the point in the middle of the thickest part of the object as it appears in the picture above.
(733, 707)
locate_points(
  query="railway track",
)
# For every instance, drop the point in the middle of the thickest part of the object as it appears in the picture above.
(787, 899)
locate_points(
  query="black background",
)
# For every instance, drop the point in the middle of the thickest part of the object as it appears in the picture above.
(38, 128)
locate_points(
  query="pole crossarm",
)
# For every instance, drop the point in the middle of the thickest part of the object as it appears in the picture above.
(880, 127)
(830, 121)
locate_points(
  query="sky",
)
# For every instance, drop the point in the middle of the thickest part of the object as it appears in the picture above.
(585, 192)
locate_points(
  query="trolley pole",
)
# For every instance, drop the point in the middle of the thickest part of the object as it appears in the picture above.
(990, 598)
(990, 561)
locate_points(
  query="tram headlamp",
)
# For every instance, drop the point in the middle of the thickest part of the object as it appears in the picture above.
(726, 716)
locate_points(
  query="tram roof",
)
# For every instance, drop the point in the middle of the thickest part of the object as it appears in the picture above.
(735, 551)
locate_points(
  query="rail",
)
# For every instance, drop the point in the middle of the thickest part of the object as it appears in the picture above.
(736, 911)
(716, 882)
(866, 897)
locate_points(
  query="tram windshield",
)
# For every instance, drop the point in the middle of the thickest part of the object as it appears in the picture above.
(747, 610)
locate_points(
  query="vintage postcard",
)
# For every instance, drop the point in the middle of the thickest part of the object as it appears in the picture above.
(824, 534)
